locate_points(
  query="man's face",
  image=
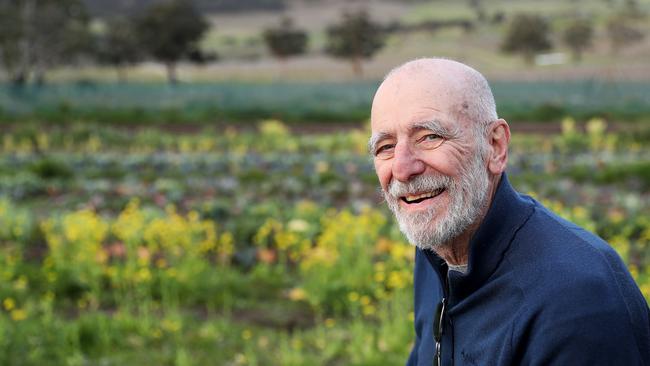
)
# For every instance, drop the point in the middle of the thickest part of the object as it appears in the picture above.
(430, 171)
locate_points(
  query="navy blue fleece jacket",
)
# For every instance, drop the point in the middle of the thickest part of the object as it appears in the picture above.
(539, 291)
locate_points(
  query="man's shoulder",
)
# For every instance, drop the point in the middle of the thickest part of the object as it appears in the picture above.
(554, 255)
(561, 263)
(555, 239)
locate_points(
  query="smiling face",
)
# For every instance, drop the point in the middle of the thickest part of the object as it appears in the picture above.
(430, 159)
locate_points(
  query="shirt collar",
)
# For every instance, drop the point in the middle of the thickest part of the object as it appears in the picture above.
(507, 213)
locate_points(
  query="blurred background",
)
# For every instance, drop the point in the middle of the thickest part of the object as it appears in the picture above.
(187, 182)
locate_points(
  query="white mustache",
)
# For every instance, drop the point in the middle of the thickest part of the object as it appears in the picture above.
(418, 184)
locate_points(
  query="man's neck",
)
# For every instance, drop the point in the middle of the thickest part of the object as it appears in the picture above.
(456, 252)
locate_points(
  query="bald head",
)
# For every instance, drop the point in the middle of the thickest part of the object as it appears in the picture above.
(446, 86)
(465, 89)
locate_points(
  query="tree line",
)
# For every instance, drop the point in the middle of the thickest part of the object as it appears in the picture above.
(36, 35)
(530, 34)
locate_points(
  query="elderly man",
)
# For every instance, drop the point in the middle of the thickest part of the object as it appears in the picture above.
(499, 280)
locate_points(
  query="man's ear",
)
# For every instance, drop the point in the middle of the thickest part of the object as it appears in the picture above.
(498, 138)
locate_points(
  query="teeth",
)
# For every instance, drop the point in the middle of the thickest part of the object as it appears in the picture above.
(424, 195)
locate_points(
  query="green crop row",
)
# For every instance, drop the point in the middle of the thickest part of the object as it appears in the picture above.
(300, 102)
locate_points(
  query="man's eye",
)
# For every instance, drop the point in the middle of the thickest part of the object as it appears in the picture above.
(383, 149)
(431, 141)
(431, 137)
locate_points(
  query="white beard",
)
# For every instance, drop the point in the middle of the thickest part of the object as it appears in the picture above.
(467, 197)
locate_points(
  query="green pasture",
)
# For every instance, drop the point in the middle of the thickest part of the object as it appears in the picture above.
(307, 102)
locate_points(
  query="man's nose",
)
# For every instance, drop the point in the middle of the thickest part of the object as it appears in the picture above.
(406, 163)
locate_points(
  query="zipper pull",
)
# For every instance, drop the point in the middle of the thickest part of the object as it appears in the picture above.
(438, 328)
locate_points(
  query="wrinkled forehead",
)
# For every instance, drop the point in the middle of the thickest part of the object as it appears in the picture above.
(412, 97)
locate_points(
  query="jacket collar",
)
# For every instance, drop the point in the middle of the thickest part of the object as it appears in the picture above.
(507, 213)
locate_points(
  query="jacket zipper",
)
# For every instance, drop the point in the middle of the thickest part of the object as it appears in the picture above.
(444, 302)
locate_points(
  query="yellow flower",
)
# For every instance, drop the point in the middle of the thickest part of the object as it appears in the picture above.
(171, 325)
(143, 275)
(226, 247)
(353, 296)
(20, 283)
(568, 126)
(273, 127)
(645, 290)
(246, 334)
(9, 304)
(18, 315)
(193, 216)
(365, 300)
(329, 322)
(397, 279)
(297, 294)
(369, 310)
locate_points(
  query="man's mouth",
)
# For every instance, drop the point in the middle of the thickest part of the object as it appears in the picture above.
(417, 198)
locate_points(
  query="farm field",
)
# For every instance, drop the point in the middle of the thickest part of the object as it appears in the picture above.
(257, 246)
